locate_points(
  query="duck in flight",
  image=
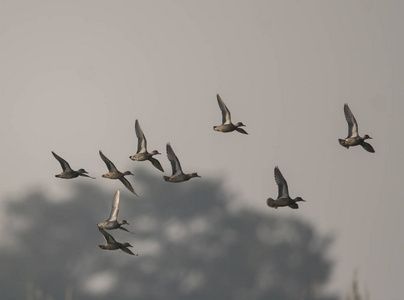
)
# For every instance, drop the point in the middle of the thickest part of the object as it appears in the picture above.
(227, 125)
(353, 138)
(112, 244)
(177, 175)
(283, 193)
(142, 154)
(68, 172)
(115, 174)
(112, 222)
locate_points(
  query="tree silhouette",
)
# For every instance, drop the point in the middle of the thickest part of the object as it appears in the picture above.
(191, 245)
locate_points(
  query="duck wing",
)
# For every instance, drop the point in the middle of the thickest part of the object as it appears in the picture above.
(111, 167)
(141, 139)
(127, 184)
(126, 250)
(282, 185)
(124, 229)
(156, 163)
(64, 164)
(85, 175)
(226, 116)
(107, 236)
(294, 206)
(175, 163)
(115, 207)
(352, 124)
(241, 130)
(368, 147)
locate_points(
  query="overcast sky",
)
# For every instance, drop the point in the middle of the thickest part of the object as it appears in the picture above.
(74, 76)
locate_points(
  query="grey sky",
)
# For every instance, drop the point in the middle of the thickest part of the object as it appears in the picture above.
(75, 75)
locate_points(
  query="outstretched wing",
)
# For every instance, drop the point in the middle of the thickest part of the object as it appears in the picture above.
(226, 117)
(141, 139)
(65, 166)
(127, 184)
(175, 163)
(294, 205)
(126, 250)
(107, 236)
(282, 185)
(156, 163)
(352, 124)
(368, 147)
(111, 167)
(115, 207)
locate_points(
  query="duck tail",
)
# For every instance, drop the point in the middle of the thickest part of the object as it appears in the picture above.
(342, 143)
(166, 178)
(270, 202)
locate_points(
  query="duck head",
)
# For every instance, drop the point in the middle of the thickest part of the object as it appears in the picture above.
(365, 137)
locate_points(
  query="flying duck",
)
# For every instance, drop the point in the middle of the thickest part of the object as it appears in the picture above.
(68, 173)
(112, 222)
(227, 125)
(353, 138)
(111, 244)
(115, 174)
(283, 193)
(177, 175)
(142, 153)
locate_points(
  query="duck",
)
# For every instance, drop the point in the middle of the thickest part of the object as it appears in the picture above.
(68, 172)
(283, 194)
(227, 125)
(177, 175)
(111, 222)
(115, 174)
(142, 154)
(112, 244)
(353, 138)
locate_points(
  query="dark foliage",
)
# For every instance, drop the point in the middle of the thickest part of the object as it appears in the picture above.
(190, 245)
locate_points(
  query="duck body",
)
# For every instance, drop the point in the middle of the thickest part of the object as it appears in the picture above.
(110, 225)
(355, 141)
(116, 175)
(227, 125)
(282, 202)
(177, 175)
(180, 177)
(353, 138)
(73, 174)
(230, 127)
(283, 193)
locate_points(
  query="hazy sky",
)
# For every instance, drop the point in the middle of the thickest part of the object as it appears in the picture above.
(74, 76)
